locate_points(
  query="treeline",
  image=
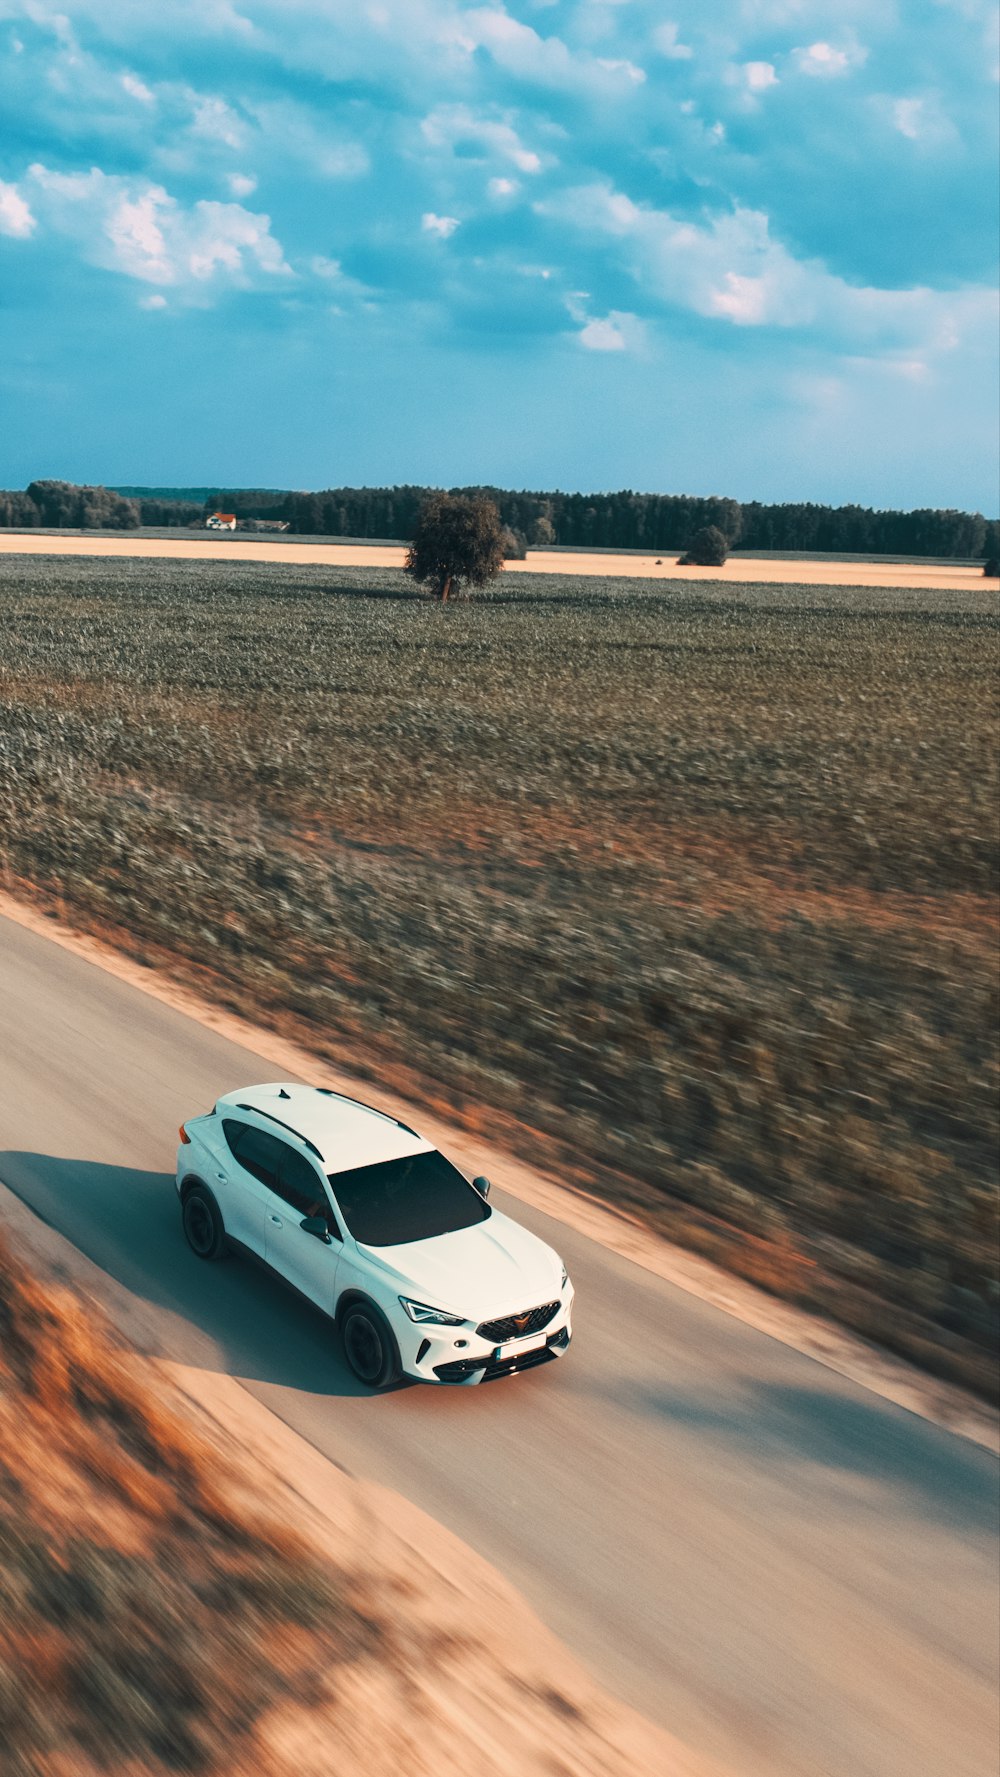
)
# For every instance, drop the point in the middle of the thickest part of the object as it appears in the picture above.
(61, 505)
(626, 520)
(629, 520)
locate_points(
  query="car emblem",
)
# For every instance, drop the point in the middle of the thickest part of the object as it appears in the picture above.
(521, 1320)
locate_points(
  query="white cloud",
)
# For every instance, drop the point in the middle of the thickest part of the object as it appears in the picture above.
(15, 215)
(503, 187)
(140, 230)
(137, 89)
(602, 336)
(242, 184)
(906, 117)
(439, 226)
(152, 302)
(291, 131)
(545, 61)
(824, 61)
(217, 122)
(740, 299)
(758, 76)
(451, 126)
(348, 290)
(665, 39)
(728, 267)
(614, 332)
(920, 119)
(621, 65)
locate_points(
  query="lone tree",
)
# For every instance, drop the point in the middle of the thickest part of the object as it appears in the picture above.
(708, 548)
(457, 541)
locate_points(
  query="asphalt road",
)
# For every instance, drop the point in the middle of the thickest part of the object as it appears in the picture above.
(786, 1571)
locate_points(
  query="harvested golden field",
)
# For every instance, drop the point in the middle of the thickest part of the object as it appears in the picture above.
(687, 891)
(938, 576)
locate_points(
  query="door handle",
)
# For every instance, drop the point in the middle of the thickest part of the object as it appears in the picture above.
(222, 1178)
(277, 1221)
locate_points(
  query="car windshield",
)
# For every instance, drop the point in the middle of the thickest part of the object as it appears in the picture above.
(401, 1200)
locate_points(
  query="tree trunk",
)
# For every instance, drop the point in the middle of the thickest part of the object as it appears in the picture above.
(446, 588)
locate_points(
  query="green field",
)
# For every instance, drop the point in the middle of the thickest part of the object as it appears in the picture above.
(686, 892)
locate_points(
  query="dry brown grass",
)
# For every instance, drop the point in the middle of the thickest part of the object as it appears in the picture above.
(147, 1622)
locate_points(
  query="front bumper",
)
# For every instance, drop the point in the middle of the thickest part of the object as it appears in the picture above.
(458, 1354)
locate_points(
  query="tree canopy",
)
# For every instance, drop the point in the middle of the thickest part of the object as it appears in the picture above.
(457, 541)
(708, 548)
(661, 524)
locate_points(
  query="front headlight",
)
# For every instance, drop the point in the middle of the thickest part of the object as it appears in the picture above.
(565, 1278)
(420, 1311)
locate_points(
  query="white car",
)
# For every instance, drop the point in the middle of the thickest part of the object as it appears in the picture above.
(369, 1221)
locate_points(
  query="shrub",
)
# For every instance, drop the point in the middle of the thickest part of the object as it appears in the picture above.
(708, 548)
(515, 544)
(992, 568)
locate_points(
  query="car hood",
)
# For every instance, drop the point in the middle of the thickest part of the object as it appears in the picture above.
(495, 1267)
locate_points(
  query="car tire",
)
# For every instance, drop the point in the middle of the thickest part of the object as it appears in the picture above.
(369, 1346)
(203, 1225)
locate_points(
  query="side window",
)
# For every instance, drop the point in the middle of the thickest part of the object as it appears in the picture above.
(259, 1152)
(233, 1132)
(301, 1186)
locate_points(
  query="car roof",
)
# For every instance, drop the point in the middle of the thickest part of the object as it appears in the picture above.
(342, 1132)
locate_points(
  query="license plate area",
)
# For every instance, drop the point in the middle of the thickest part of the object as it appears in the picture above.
(517, 1348)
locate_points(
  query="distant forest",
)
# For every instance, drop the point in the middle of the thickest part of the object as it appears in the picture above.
(626, 520)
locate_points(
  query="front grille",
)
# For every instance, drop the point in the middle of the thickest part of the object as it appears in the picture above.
(518, 1326)
(512, 1365)
(491, 1368)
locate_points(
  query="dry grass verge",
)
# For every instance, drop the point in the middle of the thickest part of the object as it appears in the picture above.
(144, 1616)
(156, 1619)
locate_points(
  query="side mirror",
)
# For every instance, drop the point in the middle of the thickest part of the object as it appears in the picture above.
(316, 1225)
(482, 1185)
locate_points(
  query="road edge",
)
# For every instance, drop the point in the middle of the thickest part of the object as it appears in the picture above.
(891, 1378)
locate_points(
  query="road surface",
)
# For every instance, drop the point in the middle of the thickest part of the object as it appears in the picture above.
(791, 1574)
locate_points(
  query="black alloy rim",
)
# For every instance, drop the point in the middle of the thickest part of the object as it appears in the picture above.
(364, 1347)
(199, 1224)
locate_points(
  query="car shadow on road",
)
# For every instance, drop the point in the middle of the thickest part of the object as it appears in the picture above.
(128, 1223)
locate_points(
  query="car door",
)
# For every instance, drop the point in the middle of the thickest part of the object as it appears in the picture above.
(308, 1261)
(251, 1170)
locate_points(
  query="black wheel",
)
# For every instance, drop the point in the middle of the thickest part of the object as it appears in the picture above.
(369, 1346)
(203, 1227)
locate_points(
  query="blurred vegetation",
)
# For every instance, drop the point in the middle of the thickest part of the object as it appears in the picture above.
(688, 891)
(147, 1622)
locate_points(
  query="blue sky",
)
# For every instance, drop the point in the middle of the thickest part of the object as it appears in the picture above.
(745, 248)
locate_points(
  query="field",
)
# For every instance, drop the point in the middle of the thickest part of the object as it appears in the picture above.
(331, 552)
(686, 891)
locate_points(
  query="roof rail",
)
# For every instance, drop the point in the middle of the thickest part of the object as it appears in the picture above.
(260, 1112)
(328, 1092)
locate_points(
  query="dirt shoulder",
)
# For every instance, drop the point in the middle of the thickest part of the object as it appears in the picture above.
(905, 575)
(157, 1618)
